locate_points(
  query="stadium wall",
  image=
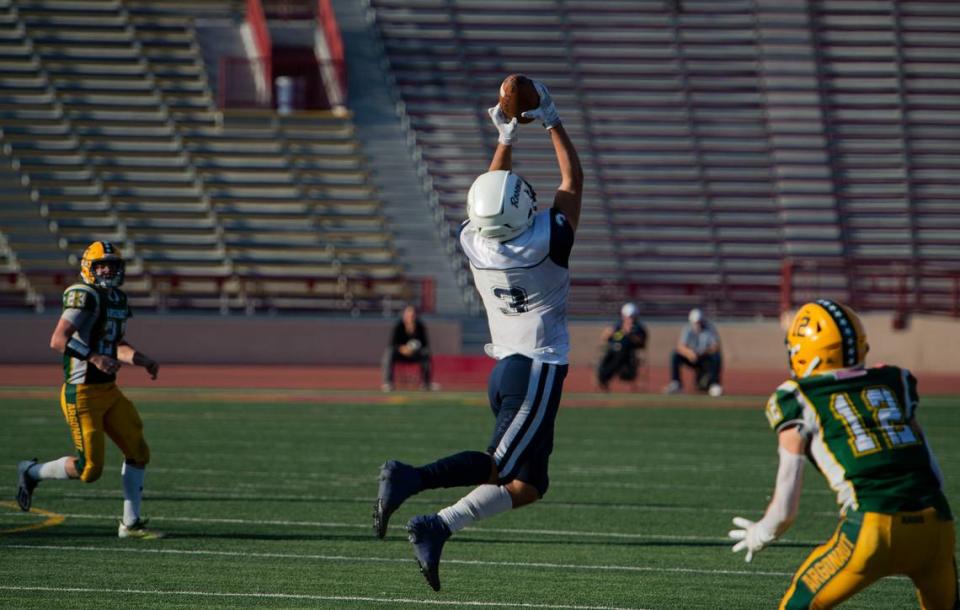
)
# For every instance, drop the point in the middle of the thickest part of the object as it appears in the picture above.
(928, 344)
(178, 339)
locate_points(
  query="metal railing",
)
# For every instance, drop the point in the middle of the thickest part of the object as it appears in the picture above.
(257, 21)
(327, 21)
(903, 287)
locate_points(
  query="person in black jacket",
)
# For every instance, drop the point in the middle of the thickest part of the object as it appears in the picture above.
(408, 343)
(622, 339)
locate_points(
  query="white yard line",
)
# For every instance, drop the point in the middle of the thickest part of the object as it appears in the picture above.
(346, 558)
(304, 596)
(207, 493)
(478, 529)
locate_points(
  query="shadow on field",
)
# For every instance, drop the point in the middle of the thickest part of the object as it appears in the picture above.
(619, 543)
(284, 537)
(65, 534)
(255, 499)
(109, 534)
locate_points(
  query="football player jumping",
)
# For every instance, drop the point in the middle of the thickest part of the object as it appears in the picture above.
(519, 259)
(859, 427)
(89, 334)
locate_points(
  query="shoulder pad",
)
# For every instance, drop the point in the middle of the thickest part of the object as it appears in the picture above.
(81, 296)
(784, 405)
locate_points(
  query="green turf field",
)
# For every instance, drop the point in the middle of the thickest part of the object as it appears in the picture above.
(267, 504)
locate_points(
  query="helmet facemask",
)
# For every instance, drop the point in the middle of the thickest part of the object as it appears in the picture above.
(102, 266)
(108, 273)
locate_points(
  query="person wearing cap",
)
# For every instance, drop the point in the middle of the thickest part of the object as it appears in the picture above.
(622, 339)
(698, 348)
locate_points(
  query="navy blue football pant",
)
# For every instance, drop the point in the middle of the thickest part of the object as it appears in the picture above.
(525, 397)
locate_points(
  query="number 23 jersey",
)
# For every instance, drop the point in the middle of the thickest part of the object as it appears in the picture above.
(524, 284)
(100, 317)
(858, 422)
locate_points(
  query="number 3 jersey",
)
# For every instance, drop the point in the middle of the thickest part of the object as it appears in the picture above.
(100, 316)
(524, 284)
(861, 440)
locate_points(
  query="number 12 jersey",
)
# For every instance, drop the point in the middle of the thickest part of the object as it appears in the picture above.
(861, 439)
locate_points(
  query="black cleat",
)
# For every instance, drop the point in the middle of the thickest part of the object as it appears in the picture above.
(25, 484)
(398, 481)
(428, 533)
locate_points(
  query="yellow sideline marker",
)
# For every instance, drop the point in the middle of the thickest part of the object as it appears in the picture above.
(52, 519)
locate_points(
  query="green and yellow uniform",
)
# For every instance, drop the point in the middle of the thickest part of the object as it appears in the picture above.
(895, 518)
(91, 401)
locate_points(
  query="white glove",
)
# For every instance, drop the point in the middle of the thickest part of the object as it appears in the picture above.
(752, 536)
(546, 112)
(507, 129)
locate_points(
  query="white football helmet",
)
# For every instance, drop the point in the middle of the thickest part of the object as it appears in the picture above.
(501, 205)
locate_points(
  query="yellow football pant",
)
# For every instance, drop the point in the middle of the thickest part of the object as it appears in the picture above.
(97, 408)
(868, 546)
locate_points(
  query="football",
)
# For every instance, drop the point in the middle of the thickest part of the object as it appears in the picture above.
(517, 95)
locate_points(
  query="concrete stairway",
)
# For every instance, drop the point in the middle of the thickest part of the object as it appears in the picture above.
(422, 249)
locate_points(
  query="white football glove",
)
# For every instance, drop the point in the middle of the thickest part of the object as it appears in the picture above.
(546, 112)
(507, 129)
(751, 536)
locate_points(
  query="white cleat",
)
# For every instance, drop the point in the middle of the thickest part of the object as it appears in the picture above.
(715, 390)
(138, 529)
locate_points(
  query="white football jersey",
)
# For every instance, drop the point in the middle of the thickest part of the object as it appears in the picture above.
(524, 284)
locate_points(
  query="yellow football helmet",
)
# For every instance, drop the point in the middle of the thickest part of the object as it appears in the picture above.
(102, 253)
(824, 336)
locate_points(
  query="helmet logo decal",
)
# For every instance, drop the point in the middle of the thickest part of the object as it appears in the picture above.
(529, 191)
(515, 198)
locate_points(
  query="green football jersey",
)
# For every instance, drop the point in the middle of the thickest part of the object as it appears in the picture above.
(858, 424)
(100, 316)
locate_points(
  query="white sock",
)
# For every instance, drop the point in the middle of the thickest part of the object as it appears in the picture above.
(484, 501)
(57, 469)
(132, 492)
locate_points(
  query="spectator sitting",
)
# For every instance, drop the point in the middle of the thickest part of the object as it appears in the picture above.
(623, 339)
(408, 343)
(698, 348)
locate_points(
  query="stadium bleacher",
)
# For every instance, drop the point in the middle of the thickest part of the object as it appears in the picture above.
(720, 139)
(723, 142)
(109, 117)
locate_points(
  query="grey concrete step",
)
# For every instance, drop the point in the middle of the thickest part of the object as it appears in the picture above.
(417, 236)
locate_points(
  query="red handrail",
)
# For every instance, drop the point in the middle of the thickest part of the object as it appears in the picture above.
(899, 286)
(257, 20)
(327, 20)
(786, 285)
